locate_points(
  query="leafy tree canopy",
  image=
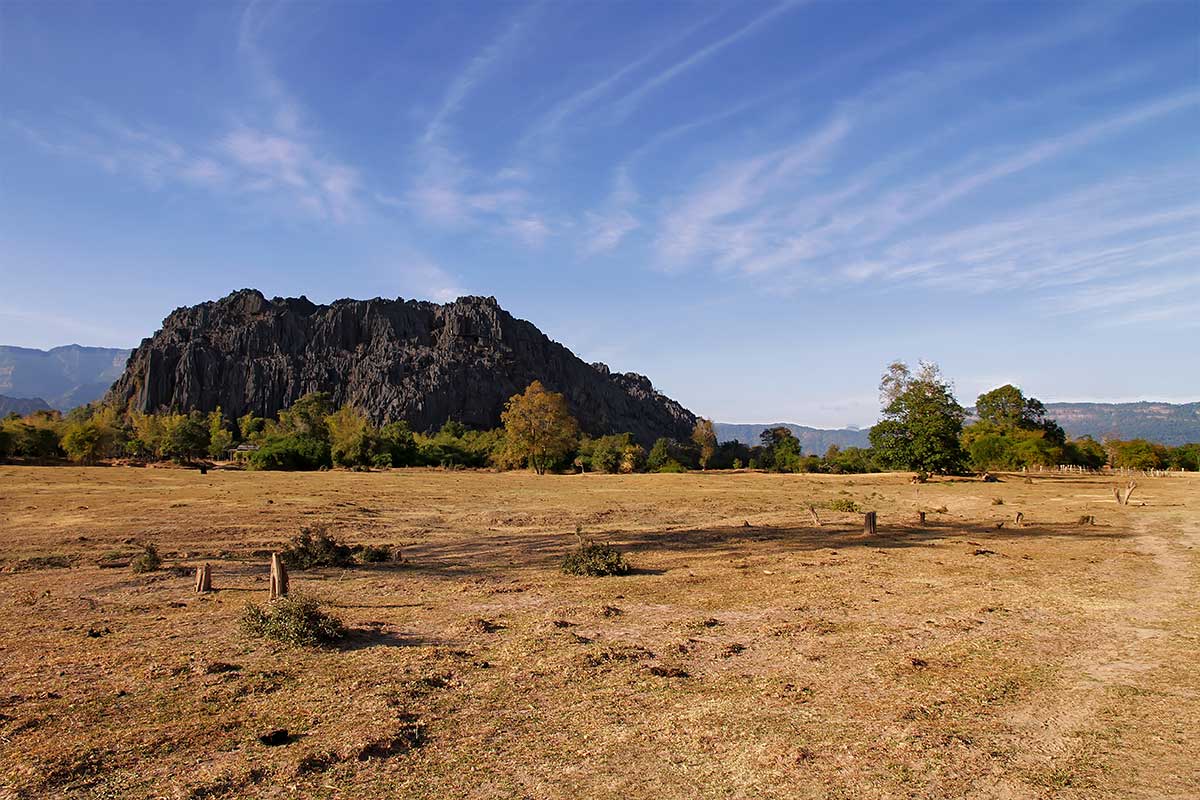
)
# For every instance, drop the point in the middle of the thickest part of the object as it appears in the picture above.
(538, 427)
(922, 422)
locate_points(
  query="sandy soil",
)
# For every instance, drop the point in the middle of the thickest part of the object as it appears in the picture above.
(753, 654)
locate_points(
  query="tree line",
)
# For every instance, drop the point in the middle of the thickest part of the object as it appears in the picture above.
(922, 429)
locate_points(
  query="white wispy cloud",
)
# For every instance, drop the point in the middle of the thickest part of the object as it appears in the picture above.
(476, 70)
(630, 100)
(550, 121)
(694, 226)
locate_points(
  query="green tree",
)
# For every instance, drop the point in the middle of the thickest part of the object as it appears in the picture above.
(1086, 452)
(187, 437)
(538, 427)
(660, 454)
(1186, 457)
(250, 427)
(307, 416)
(781, 450)
(705, 438)
(397, 440)
(353, 441)
(922, 422)
(84, 442)
(220, 438)
(1138, 454)
(1007, 409)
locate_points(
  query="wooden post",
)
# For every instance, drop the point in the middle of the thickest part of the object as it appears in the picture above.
(921, 517)
(279, 577)
(204, 579)
(815, 519)
(869, 523)
(1019, 519)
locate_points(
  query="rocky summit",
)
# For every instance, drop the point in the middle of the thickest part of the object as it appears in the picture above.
(393, 359)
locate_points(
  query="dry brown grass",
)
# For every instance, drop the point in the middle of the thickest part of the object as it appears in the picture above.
(750, 655)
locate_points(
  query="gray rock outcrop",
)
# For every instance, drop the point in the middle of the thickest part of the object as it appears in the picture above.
(395, 360)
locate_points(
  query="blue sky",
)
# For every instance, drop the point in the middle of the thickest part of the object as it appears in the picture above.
(757, 204)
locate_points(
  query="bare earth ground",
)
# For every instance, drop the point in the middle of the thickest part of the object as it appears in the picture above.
(952, 659)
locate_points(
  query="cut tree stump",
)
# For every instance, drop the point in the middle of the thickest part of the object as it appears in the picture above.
(1018, 519)
(203, 579)
(869, 523)
(813, 513)
(921, 517)
(279, 577)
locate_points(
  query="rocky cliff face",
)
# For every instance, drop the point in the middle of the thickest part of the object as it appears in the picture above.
(396, 360)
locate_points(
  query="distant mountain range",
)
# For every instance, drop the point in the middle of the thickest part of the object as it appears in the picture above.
(63, 377)
(1166, 423)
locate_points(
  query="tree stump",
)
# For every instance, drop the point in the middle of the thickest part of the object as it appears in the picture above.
(1123, 494)
(921, 517)
(1018, 519)
(869, 523)
(203, 579)
(279, 577)
(815, 519)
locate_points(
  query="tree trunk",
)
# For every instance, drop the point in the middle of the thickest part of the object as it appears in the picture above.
(279, 577)
(869, 523)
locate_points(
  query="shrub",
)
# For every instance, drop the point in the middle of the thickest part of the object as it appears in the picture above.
(147, 561)
(296, 620)
(844, 504)
(997, 501)
(672, 466)
(294, 452)
(316, 547)
(375, 554)
(596, 560)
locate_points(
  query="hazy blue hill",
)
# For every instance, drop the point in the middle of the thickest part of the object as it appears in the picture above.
(64, 377)
(813, 441)
(21, 405)
(1167, 423)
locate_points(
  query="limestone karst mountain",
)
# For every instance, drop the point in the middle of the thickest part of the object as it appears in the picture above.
(395, 360)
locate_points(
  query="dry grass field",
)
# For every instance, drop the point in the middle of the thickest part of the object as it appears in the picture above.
(753, 654)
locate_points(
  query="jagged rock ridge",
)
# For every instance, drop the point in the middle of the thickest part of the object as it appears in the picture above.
(394, 359)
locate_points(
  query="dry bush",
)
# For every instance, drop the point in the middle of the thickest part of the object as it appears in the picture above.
(147, 561)
(317, 547)
(295, 620)
(596, 560)
(375, 554)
